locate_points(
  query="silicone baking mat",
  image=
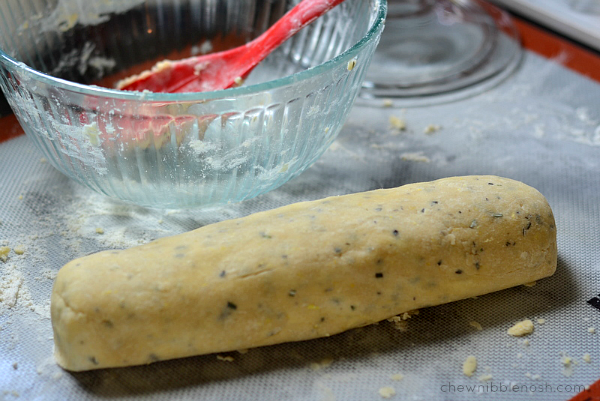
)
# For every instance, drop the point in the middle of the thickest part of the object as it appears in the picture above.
(541, 126)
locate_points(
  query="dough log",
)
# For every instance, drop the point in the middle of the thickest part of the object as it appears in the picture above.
(302, 271)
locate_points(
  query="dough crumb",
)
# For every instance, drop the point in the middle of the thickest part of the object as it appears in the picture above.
(541, 321)
(476, 325)
(568, 365)
(431, 128)
(592, 330)
(399, 324)
(521, 328)
(526, 342)
(404, 316)
(587, 358)
(43, 160)
(397, 377)
(485, 378)
(387, 103)
(469, 366)
(400, 321)
(325, 363)
(225, 358)
(530, 284)
(19, 249)
(387, 392)
(415, 157)
(99, 230)
(4, 251)
(351, 64)
(397, 123)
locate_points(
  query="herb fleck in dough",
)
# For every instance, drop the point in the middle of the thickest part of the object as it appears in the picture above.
(303, 271)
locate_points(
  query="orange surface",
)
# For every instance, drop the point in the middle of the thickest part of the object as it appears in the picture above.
(9, 128)
(562, 51)
(593, 394)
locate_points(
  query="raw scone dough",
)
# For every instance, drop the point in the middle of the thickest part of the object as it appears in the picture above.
(302, 271)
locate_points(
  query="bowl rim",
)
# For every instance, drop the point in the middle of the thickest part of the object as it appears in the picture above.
(91, 90)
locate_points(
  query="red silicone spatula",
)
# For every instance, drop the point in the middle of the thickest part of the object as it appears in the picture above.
(226, 69)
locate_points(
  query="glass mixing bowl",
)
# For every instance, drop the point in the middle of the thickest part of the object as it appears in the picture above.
(60, 58)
